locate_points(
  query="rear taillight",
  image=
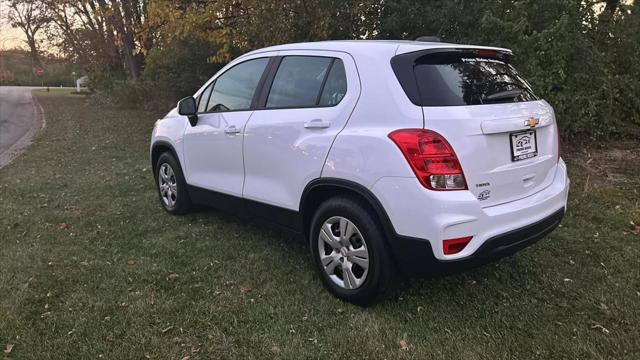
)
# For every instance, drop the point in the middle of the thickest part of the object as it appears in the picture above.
(431, 157)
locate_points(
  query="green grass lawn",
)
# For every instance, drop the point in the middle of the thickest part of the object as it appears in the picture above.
(91, 266)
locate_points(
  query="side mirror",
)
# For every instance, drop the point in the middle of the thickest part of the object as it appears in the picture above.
(187, 107)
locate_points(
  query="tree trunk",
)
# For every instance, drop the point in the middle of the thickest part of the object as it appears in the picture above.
(611, 6)
(33, 49)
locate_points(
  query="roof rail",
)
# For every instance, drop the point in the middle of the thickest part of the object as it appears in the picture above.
(428, 39)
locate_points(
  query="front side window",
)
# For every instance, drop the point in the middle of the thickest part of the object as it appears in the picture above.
(234, 89)
(204, 98)
(300, 81)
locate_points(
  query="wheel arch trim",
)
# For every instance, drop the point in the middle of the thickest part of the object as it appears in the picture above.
(348, 185)
(163, 144)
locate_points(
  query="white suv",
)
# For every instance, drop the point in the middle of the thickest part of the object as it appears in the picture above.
(389, 156)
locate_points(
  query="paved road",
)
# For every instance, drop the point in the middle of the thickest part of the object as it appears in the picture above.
(19, 121)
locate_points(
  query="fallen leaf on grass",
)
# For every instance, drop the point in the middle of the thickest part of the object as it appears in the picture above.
(131, 262)
(604, 308)
(186, 357)
(8, 348)
(598, 326)
(275, 349)
(172, 276)
(404, 345)
(244, 289)
(63, 226)
(165, 330)
(635, 229)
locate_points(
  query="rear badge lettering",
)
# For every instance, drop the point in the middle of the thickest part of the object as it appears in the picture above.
(484, 195)
(483, 185)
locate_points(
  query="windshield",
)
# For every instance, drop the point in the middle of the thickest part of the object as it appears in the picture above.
(454, 78)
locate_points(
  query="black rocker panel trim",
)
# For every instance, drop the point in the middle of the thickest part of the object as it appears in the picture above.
(284, 218)
(414, 256)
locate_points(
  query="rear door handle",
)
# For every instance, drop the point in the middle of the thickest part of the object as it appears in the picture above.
(317, 124)
(231, 130)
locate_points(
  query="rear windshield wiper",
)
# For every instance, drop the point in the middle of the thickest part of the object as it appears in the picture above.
(507, 94)
(501, 95)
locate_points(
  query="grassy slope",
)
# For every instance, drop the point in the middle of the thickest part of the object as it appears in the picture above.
(104, 285)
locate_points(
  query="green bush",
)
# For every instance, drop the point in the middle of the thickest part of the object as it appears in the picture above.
(178, 69)
(171, 73)
(582, 60)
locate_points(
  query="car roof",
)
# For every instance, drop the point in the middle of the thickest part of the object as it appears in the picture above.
(371, 47)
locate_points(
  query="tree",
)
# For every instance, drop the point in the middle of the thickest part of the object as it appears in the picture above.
(30, 16)
(109, 35)
(239, 26)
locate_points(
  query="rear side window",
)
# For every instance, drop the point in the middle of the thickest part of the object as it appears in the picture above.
(456, 78)
(336, 86)
(234, 89)
(307, 81)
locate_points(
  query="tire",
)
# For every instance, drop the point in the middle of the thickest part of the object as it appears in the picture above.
(371, 284)
(173, 196)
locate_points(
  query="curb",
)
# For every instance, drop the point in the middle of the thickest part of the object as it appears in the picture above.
(27, 139)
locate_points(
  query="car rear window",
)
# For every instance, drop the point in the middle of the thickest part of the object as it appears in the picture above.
(456, 78)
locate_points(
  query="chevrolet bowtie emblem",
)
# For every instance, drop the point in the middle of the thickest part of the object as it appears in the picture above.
(531, 122)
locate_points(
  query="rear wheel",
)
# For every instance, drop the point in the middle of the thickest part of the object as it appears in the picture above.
(172, 187)
(349, 251)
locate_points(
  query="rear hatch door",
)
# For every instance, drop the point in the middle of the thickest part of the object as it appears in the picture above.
(504, 136)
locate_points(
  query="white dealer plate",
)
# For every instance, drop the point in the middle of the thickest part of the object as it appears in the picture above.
(523, 145)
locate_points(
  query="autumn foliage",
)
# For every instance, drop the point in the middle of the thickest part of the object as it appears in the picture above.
(580, 55)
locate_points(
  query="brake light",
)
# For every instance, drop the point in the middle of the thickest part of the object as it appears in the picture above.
(454, 246)
(487, 53)
(431, 157)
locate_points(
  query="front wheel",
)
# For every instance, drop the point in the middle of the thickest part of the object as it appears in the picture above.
(172, 188)
(349, 251)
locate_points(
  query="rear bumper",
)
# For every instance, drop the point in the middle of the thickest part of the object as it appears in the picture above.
(421, 219)
(415, 256)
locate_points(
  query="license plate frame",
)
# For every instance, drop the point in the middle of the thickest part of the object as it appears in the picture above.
(524, 145)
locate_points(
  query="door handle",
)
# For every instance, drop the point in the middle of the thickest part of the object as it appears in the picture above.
(317, 124)
(231, 130)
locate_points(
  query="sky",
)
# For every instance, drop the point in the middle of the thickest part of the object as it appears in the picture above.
(9, 38)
